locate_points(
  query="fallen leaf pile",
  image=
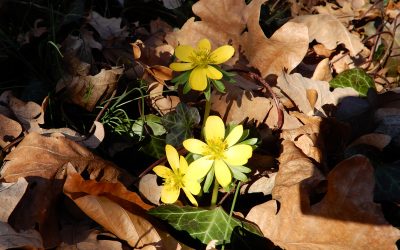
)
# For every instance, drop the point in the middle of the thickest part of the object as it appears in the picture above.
(317, 82)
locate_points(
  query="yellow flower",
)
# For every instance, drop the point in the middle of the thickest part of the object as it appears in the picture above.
(176, 178)
(200, 61)
(218, 152)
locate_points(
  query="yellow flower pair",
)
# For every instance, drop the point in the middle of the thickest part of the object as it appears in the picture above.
(218, 152)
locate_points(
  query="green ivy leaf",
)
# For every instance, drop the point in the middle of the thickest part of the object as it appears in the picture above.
(202, 224)
(153, 121)
(355, 78)
(387, 183)
(155, 147)
(180, 123)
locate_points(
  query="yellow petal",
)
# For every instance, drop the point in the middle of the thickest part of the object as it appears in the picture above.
(198, 79)
(192, 185)
(234, 135)
(223, 173)
(190, 197)
(204, 44)
(222, 54)
(183, 165)
(213, 73)
(181, 66)
(172, 157)
(195, 146)
(238, 155)
(169, 194)
(214, 128)
(184, 53)
(199, 168)
(163, 171)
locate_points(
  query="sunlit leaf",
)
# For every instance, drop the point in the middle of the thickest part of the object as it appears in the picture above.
(355, 78)
(202, 224)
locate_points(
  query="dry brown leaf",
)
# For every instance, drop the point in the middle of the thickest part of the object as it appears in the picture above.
(10, 195)
(87, 91)
(238, 106)
(149, 189)
(163, 104)
(345, 13)
(40, 160)
(75, 186)
(92, 239)
(295, 86)
(342, 62)
(321, 50)
(10, 239)
(9, 130)
(284, 50)
(29, 114)
(113, 207)
(346, 218)
(374, 139)
(108, 28)
(262, 185)
(322, 71)
(225, 20)
(332, 36)
(44, 157)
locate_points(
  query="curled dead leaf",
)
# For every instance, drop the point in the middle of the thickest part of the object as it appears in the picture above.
(346, 218)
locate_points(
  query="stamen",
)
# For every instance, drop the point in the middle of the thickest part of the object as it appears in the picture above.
(216, 148)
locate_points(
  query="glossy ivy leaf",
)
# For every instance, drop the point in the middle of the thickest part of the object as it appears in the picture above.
(355, 78)
(202, 224)
(152, 121)
(387, 183)
(180, 123)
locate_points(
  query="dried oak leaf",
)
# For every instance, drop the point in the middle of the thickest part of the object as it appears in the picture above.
(29, 114)
(346, 218)
(296, 86)
(9, 130)
(87, 91)
(112, 206)
(10, 239)
(238, 105)
(329, 31)
(40, 160)
(108, 28)
(226, 20)
(10, 195)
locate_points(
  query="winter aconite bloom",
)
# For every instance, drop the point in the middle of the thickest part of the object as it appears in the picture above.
(200, 61)
(176, 178)
(219, 151)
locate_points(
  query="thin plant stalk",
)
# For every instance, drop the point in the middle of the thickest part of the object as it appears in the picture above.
(231, 212)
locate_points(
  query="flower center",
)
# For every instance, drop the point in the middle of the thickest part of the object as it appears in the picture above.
(201, 58)
(216, 148)
(175, 180)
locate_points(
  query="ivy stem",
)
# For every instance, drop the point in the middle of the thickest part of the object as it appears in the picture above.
(231, 212)
(214, 193)
(206, 114)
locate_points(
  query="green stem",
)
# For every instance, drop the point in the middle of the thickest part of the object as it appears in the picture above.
(214, 193)
(231, 212)
(206, 114)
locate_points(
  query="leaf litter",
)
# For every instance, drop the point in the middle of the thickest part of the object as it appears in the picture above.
(325, 173)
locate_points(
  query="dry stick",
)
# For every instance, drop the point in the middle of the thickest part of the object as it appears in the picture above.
(102, 112)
